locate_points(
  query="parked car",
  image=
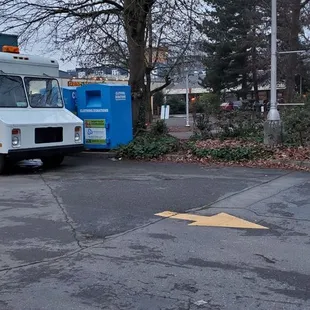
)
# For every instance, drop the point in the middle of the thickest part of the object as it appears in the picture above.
(237, 105)
(227, 106)
(231, 105)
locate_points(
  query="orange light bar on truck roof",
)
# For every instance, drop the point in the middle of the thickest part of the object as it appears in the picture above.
(10, 49)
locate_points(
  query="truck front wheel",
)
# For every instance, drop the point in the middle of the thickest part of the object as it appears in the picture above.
(2, 163)
(52, 161)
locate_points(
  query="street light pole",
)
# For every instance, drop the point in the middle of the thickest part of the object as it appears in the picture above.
(273, 114)
(273, 125)
(187, 99)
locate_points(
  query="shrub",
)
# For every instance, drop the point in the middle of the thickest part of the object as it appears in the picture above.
(209, 104)
(203, 127)
(148, 146)
(243, 125)
(297, 125)
(159, 128)
(177, 104)
(238, 153)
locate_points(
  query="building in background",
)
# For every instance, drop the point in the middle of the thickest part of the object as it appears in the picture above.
(105, 71)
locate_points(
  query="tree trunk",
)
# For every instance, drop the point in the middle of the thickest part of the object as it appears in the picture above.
(149, 116)
(135, 18)
(293, 45)
(136, 81)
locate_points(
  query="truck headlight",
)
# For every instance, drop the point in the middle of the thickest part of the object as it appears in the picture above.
(77, 137)
(15, 141)
(77, 134)
(16, 137)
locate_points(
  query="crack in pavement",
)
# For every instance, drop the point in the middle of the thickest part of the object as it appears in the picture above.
(44, 261)
(143, 260)
(153, 176)
(240, 192)
(68, 220)
(268, 260)
(263, 215)
(273, 195)
(82, 248)
(273, 301)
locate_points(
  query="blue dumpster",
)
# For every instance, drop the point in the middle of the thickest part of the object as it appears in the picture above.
(69, 95)
(106, 112)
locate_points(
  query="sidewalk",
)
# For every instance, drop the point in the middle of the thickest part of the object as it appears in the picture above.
(182, 135)
(177, 126)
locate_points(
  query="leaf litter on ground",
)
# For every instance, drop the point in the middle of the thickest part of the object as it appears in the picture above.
(281, 157)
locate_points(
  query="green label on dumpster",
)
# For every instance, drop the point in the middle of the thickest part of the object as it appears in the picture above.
(95, 131)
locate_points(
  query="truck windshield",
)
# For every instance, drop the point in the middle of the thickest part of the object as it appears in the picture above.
(12, 93)
(43, 92)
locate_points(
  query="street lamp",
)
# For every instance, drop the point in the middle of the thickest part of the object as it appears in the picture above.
(187, 99)
(273, 126)
(273, 114)
(187, 75)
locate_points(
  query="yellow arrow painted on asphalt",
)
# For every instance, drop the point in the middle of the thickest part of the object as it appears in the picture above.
(218, 220)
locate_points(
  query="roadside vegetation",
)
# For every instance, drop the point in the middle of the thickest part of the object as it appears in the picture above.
(150, 144)
(234, 137)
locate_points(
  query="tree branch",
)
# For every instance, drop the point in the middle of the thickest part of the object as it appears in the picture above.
(304, 3)
(168, 81)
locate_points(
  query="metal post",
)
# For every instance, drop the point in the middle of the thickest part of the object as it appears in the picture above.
(187, 100)
(273, 125)
(292, 52)
(165, 107)
(273, 114)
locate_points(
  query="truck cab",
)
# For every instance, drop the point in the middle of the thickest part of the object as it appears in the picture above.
(34, 122)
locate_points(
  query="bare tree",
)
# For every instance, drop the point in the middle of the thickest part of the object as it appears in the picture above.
(123, 32)
(168, 40)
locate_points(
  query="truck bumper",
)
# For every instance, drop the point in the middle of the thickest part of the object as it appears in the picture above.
(20, 154)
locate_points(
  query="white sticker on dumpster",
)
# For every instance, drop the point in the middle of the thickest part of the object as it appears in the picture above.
(120, 95)
(94, 110)
(95, 131)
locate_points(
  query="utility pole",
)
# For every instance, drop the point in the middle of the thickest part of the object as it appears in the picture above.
(273, 126)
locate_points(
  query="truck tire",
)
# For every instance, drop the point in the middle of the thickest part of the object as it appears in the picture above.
(2, 163)
(52, 161)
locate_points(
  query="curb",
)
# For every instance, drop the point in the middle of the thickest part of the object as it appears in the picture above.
(97, 154)
(299, 163)
(111, 154)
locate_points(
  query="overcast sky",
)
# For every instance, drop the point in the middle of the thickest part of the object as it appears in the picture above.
(41, 50)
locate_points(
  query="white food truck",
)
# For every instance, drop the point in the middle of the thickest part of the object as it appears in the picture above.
(33, 120)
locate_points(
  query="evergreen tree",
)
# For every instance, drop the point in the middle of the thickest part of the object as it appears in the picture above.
(233, 29)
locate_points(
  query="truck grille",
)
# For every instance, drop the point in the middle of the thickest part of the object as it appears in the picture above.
(48, 135)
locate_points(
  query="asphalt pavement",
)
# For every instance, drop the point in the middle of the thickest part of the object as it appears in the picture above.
(103, 234)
